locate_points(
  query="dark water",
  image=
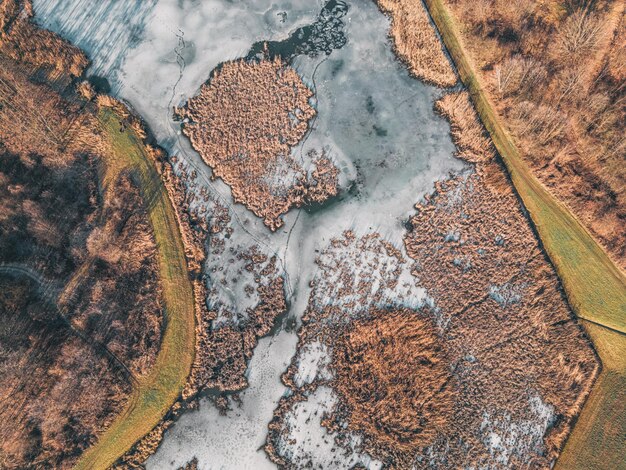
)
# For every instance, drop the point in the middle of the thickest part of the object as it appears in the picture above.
(321, 37)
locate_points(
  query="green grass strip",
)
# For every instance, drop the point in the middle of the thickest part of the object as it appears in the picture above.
(158, 391)
(598, 439)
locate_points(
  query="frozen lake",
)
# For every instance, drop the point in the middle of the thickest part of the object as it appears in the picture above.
(374, 121)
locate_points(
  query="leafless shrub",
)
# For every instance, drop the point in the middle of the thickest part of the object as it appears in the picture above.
(518, 76)
(577, 5)
(543, 122)
(598, 114)
(100, 244)
(570, 85)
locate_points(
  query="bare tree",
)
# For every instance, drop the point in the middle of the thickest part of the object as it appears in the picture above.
(580, 34)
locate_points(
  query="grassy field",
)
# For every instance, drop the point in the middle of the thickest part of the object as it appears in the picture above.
(158, 391)
(598, 440)
(595, 287)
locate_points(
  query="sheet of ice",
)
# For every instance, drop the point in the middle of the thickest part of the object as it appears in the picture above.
(141, 45)
(312, 363)
(309, 445)
(235, 440)
(374, 121)
(105, 29)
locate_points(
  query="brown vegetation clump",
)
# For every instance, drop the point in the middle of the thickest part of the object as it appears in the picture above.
(393, 377)
(191, 465)
(244, 122)
(416, 43)
(471, 140)
(555, 72)
(26, 43)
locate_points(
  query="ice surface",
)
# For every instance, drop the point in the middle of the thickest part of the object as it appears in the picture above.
(312, 363)
(105, 29)
(310, 445)
(504, 436)
(236, 440)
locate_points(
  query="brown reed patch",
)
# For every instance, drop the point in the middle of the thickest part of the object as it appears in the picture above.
(244, 123)
(393, 375)
(416, 42)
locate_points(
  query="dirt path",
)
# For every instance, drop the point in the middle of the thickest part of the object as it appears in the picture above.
(156, 393)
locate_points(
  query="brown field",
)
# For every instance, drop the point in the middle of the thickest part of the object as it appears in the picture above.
(491, 239)
(595, 286)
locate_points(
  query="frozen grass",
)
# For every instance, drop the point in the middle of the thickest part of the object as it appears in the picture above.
(308, 444)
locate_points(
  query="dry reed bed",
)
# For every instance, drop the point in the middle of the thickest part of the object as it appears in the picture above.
(394, 378)
(416, 43)
(499, 351)
(481, 262)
